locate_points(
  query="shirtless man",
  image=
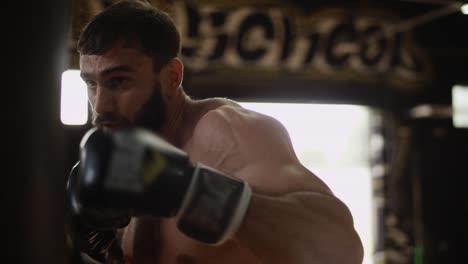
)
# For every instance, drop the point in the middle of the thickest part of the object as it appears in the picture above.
(128, 59)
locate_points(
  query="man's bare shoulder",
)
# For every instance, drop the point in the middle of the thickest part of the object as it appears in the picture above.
(233, 122)
(213, 137)
(232, 114)
(254, 147)
(226, 128)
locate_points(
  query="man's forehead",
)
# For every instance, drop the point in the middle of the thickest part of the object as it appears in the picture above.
(117, 56)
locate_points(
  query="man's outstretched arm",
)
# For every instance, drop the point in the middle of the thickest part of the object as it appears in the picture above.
(301, 227)
(293, 217)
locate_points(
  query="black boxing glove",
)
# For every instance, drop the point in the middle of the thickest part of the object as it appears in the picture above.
(134, 171)
(91, 234)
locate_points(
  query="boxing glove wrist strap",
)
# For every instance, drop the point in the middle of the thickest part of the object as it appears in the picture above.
(214, 206)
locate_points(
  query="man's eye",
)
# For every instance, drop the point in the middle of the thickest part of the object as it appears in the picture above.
(116, 82)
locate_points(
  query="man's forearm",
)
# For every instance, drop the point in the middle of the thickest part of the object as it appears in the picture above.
(300, 227)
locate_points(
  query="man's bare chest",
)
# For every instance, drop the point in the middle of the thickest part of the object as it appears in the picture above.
(159, 241)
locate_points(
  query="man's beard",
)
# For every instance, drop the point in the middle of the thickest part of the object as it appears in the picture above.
(152, 114)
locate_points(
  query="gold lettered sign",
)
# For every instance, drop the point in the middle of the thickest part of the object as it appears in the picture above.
(271, 39)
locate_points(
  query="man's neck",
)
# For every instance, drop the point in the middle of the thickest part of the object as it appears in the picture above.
(178, 128)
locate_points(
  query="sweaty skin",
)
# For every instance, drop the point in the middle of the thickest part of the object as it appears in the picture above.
(293, 217)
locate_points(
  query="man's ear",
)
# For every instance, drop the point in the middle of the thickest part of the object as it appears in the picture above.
(172, 75)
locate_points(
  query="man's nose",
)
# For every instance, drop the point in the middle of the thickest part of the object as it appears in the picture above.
(104, 101)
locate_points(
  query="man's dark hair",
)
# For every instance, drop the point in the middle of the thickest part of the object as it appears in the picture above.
(138, 25)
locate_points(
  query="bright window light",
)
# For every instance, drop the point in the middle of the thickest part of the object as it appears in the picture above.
(464, 9)
(74, 101)
(460, 106)
(333, 142)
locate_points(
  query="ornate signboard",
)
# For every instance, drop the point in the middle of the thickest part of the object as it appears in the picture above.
(270, 41)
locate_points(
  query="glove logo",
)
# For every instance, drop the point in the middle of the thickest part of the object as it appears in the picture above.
(153, 168)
